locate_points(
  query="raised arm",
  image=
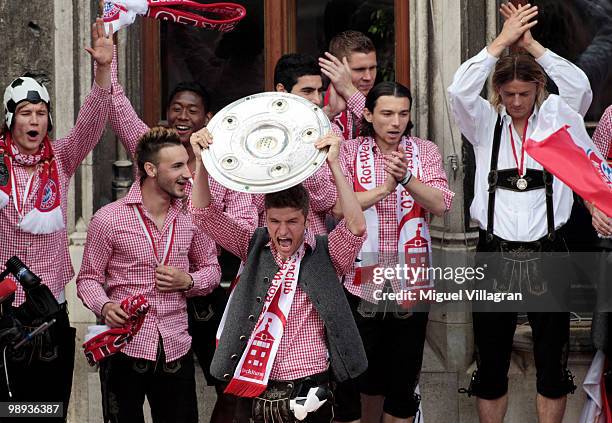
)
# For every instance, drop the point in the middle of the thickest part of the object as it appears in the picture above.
(469, 108)
(348, 203)
(124, 120)
(572, 82)
(90, 123)
(367, 199)
(322, 192)
(209, 217)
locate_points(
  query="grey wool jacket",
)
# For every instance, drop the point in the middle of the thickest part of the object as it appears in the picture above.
(319, 281)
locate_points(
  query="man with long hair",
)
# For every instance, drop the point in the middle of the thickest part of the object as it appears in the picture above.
(399, 180)
(517, 204)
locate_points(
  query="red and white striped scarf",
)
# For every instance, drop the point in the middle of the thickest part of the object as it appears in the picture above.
(46, 217)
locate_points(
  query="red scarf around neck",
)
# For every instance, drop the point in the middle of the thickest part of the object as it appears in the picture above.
(46, 216)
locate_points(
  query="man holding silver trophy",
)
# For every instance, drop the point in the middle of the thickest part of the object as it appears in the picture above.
(287, 324)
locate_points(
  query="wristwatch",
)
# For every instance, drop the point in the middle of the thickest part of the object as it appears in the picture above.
(405, 179)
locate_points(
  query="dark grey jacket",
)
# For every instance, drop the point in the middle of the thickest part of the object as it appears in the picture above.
(319, 281)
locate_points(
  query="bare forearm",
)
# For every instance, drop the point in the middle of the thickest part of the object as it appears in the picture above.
(497, 47)
(430, 198)
(536, 49)
(348, 203)
(365, 199)
(103, 76)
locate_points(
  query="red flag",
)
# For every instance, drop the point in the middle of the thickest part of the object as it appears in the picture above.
(569, 153)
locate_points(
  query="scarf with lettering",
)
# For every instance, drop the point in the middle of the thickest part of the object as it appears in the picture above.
(46, 216)
(252, 373)
(414, 240)
(218, 16)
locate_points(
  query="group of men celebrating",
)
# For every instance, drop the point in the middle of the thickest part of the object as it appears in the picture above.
(301, 337)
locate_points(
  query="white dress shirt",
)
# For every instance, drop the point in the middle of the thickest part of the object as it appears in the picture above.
(519, 216)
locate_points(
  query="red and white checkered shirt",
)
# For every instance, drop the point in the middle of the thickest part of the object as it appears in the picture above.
(322, 195)
(433, 175)
(129, 128)
(603, 134)
(352, 115)
(303, 349)
(47, 255)
(119, 262)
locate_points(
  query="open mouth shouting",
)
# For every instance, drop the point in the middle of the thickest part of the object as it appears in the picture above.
(284, 243)
(32, 135)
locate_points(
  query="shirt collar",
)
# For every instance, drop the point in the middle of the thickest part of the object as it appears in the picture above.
(134, 195)
(507, 119)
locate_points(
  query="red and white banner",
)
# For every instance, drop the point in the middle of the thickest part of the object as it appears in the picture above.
(561, 144)
(596, 408)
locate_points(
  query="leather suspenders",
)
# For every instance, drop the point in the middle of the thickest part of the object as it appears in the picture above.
(495, 182)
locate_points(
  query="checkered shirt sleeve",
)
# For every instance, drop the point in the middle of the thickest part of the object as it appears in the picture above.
(47, 255)
(223, 229)
(118, 262)
(356, 104)
(433, 175)
(603, 134)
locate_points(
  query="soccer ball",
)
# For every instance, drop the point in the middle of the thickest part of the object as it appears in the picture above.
(24, 89)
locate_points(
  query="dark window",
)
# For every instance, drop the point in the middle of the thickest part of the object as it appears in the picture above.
(230, 65)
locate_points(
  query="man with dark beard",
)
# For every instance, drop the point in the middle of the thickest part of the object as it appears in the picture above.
(146, 243)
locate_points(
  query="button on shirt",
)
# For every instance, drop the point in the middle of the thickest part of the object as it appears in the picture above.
(519, 216)
(118, 254)
(433, 175)
(303, 350)
(47, 255)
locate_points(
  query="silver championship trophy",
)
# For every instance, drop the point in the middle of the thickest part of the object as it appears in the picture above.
(265, 142)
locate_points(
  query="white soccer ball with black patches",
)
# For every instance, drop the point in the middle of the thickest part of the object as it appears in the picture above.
(23, 89)
(314, 399)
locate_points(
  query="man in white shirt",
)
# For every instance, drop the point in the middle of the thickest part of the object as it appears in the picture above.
(515, 201)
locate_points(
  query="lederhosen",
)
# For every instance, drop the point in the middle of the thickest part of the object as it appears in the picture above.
(488, 242)
(494, 331)
(510, 180)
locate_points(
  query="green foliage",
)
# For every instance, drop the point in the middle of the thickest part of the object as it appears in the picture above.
(382, 32)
